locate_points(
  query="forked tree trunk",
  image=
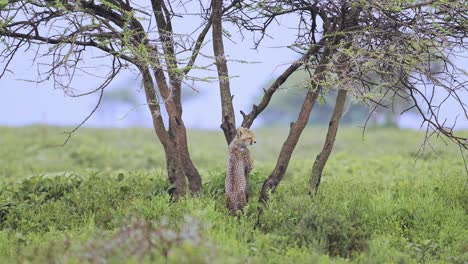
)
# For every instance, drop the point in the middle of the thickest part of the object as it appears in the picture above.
(323, 156)
(173, 100)
(174, 141)
(295, 132)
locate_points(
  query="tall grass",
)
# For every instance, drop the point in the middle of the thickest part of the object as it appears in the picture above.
(102, 198)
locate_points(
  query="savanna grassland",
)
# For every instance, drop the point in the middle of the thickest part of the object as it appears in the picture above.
(102, 198)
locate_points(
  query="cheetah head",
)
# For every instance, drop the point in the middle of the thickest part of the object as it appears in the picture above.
(245, 135)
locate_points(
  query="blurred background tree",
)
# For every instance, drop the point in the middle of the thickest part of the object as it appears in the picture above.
(283, 106)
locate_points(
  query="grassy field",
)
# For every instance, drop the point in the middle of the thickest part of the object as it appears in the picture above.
(102, 198)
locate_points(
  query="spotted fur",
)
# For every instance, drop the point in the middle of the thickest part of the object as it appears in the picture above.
(239, 165)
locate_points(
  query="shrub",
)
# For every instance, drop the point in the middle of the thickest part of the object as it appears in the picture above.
(144, 240)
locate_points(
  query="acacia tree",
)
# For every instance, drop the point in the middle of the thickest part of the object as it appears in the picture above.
(344, 45)
(124, 35)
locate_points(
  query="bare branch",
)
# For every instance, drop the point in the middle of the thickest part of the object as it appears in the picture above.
(268, 93)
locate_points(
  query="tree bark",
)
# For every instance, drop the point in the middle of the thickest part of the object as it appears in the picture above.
(176, 174)
(178, 135)
(295, 131)
(228, 122)
(174, 161)
(177, 128)
(322, 157)
(288, 146)
(193, 176)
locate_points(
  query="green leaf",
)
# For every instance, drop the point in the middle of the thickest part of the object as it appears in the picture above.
(3, 4)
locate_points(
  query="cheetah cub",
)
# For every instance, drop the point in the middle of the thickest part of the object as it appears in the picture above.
(239, 165)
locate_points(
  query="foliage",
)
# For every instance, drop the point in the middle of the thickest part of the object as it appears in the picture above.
(396, 53)
(103, 199)
(148, 241)
(283, 106)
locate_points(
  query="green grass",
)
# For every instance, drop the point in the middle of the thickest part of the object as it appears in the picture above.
(103, 197)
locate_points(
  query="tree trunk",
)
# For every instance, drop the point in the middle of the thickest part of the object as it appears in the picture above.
(192, 173)
(228, 124)
(175, 172)
(174, 161)
(177, 128)
(190, 170)
(295, 131)
(288, 146)
(322, 158)
(175, 156)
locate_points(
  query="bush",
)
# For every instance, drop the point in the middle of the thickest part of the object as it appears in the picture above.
(338, 235)
(147, 241)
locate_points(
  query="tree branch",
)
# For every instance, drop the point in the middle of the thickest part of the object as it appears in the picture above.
(228, 119)
(322, 158)
(257, 109)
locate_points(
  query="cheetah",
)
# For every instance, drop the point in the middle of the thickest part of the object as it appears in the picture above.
(239, 165)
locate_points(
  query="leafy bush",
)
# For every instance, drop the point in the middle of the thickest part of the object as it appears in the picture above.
(148, 241)
(340, 236)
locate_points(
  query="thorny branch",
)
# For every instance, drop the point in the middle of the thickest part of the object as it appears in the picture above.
(396, 51)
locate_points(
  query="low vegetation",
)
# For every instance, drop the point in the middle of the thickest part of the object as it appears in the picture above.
(103, 198)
